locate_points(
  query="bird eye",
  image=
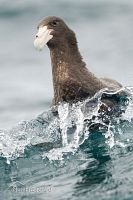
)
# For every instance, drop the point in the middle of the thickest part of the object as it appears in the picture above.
(54, 23)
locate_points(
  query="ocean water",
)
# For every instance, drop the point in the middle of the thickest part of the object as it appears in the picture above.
(44, 156)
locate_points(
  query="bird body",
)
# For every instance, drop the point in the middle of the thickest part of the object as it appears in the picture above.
(72, 81)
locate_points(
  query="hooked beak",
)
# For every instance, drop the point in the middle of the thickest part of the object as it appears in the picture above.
(42, 37)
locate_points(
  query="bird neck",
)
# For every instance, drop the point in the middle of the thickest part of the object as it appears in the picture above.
(65, 59)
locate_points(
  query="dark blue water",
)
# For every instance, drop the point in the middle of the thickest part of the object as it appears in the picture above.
(58, 157)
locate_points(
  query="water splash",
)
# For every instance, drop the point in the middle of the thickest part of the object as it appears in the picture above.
(71, 116)
(64, 128)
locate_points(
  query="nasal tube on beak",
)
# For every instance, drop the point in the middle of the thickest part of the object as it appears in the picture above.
(42, 37)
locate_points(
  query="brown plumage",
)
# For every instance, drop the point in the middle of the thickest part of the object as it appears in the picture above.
(72, 81)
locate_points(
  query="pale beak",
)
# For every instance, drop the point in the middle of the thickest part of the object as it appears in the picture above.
(42, 37)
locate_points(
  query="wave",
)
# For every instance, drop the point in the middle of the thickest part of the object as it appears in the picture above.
(64, 128)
